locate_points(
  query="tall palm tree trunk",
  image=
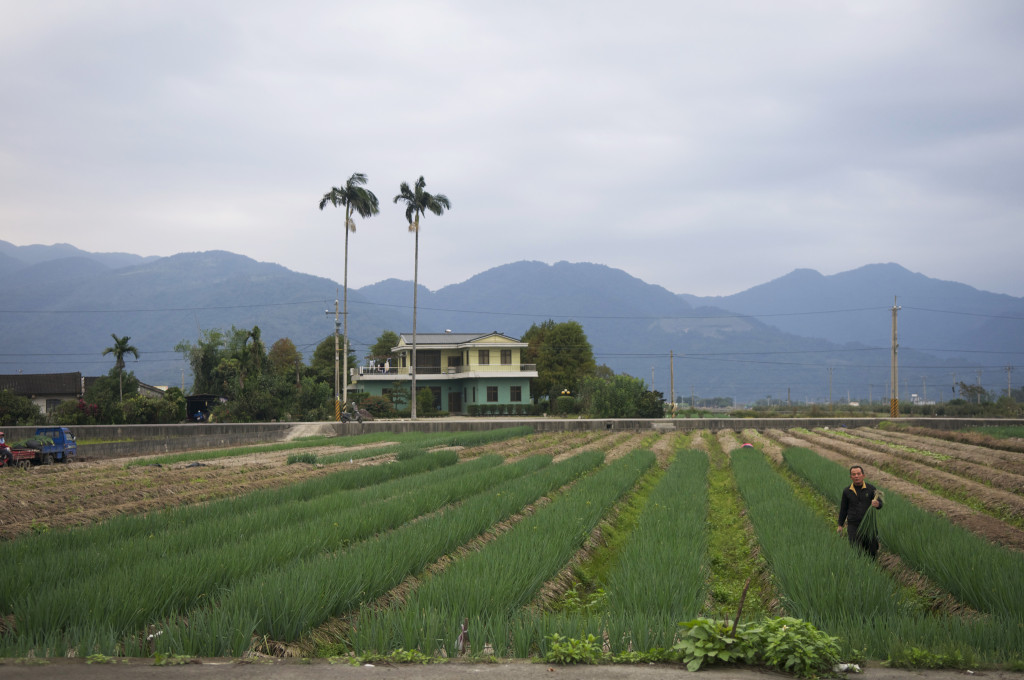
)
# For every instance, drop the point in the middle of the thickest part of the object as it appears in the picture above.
(415, 290)
(344, 313)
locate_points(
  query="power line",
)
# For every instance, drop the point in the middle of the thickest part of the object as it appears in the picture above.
(490, 312)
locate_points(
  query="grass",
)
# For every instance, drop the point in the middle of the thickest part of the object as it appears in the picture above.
(733, 559)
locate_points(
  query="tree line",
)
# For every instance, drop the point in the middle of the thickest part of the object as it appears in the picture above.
(260, 384)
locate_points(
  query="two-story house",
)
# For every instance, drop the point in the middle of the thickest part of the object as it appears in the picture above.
(461, 369)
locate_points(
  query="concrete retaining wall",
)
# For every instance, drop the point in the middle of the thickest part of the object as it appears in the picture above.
(118, 441)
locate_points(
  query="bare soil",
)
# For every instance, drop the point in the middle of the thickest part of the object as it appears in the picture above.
(1007, 461)
(82, 492)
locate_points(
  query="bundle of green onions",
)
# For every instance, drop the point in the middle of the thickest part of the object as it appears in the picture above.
(868, 530)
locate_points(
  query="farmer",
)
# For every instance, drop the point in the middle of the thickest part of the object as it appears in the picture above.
(5, 452)
(856, 500)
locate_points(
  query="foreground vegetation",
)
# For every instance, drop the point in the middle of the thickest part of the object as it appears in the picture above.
(594, 556)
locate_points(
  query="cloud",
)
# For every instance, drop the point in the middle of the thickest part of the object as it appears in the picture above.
(703, 147)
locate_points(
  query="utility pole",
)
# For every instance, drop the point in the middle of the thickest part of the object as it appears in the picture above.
(1009, 370)
(924, 388)
(337, 379)
(979, 385)
(894, 400)
(830, 386)
(672, 379)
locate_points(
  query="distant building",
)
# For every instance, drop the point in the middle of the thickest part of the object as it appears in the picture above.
(48, 390)
(461, 369)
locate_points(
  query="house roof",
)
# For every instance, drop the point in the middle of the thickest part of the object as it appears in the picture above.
(453, 339)
(42, 383)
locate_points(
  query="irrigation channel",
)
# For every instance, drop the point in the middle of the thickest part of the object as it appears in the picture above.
(516, 543)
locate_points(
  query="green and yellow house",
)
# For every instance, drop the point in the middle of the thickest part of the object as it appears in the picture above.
(461, 369)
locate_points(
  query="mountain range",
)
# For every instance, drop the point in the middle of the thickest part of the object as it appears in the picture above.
(804, 336)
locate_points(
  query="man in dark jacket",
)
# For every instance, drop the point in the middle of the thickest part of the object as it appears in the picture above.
(856, 500)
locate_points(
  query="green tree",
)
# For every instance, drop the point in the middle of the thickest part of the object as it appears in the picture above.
(321, 364)
(105, 394)
(16, 410)
(622, 396)
(969, 392)
(563, 356)
(399, 394)
(203, 357)
(315, 400)
(119, 349)
(380, 351)
(355, 199)
(425, 401)
(418, 202)
(284, 358)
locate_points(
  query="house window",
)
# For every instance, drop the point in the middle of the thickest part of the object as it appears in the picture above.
(515, 393)
(506, 357)
(484, 357)
(492, 393)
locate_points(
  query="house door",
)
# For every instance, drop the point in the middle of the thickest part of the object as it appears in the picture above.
(454, 402)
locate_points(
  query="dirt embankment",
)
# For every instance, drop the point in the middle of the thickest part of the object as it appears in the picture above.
(927, 455)
(977, 438)
(1007, 461)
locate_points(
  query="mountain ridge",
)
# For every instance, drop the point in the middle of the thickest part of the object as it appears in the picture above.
(744, 345)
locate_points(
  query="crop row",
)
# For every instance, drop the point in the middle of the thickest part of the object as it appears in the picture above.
(979, 573)
(132, 582)
(822, 579)
(489, 587)
(288, 602)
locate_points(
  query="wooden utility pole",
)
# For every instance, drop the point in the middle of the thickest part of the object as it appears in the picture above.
(894, 401)
(1009, 391)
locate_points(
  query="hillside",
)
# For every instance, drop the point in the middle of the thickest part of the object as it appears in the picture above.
(778, 339)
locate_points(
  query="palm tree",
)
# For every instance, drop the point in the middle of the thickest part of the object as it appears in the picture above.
(120, 348)
(355, 199)
(417, 202)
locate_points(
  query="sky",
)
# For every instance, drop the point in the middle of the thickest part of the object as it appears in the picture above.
(705, 147)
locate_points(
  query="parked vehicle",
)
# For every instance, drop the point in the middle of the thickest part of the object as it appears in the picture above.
(47, 446)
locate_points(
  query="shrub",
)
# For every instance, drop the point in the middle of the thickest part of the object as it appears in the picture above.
(379, 407)
(571, 651)
(15, 410)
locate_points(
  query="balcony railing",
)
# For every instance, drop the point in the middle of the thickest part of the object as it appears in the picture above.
(446, 370)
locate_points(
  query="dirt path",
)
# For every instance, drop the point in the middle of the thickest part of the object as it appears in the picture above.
(771, 448)
(972, 520)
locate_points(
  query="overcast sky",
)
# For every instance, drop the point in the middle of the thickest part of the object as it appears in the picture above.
(702, 146)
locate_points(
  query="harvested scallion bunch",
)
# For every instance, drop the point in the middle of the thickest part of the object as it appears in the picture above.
(868, 531)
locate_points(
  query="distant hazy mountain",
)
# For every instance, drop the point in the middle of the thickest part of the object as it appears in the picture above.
(776, 339)
(857, 306)
(34, 254)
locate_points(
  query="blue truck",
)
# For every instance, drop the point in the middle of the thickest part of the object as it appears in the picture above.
(47, 446)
